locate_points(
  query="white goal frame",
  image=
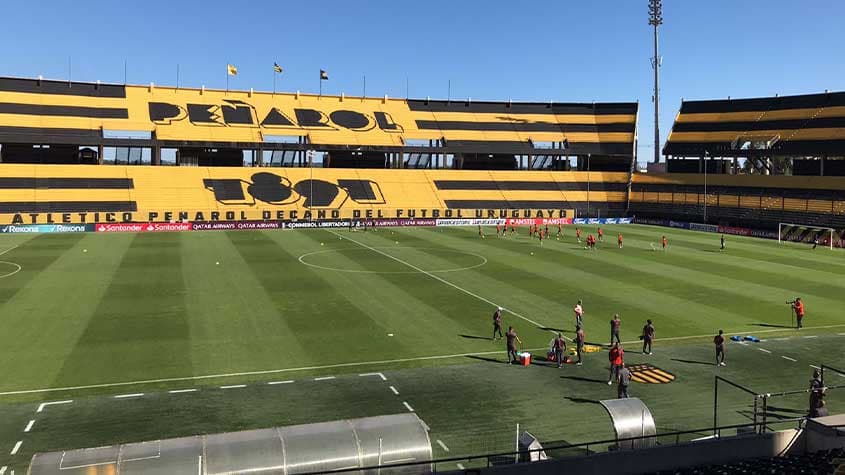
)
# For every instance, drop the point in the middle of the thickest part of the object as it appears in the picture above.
(831, 232)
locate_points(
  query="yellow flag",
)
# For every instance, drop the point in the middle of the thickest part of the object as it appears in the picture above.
(232, 70)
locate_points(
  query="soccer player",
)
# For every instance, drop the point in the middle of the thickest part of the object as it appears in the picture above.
(498, 230)
(546, 231)
(616, 359)
(591, 241)
(513, 229)
(480, 232)
(647, 337)
(619, 240)
(815, 241)
(578, 234)
(512, 339)
(530, 230)
(579, 342)
(623, 377)
(614, 328)
(559, 347)
(559, 230)
(665, 242)
(722, 243)
(579, 314)
(798, 308)
(719, 341)
(540, 236)
(497, 323)
(601, 234)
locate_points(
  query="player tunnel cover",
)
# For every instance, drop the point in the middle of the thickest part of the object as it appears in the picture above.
(277, 190)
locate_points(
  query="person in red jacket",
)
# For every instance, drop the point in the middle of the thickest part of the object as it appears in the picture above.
(601, 234)
(798, 308)
(616, 359)
(619, 240)
(665, 242)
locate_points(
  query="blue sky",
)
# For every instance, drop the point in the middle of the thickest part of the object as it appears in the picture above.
(495, 49)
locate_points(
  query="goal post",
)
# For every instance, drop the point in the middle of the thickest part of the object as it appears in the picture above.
(806, 234)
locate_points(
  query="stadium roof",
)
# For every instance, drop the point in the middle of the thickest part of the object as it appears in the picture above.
(805, 125)
(42, 111)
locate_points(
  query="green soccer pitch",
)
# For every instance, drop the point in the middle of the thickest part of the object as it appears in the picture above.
(217, 331)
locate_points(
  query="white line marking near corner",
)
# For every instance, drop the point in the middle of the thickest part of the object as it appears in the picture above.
(233, 386)
(29, 426)
(180, 391)
(411, 409)
(764, 350)
(394, 390)
(45, 404)
(380, 375)
(16, 448)
(460, 466)
(324, 378)
(788, 358)
(444, 281)
(814, 367)
(441, 444)
(124, 396)
(280, 382)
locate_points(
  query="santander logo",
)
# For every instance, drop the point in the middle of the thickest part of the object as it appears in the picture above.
(142, 227)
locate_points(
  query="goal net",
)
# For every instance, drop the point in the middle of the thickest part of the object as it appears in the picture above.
(806, 234)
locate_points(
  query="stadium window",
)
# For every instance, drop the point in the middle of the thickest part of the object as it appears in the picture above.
(168, 156)
(417, 142)
(543, 144)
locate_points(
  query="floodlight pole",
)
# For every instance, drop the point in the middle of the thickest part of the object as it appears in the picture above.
(655, 18)
(706, 155)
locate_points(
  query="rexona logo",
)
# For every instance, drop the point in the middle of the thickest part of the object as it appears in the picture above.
(277, 190)
(237, 113)
(45, 228)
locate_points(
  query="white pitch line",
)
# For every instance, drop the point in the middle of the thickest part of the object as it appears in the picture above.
(180, 391)
(841, 334)
(254, 373)
(788, 358)
(280, 382)
(441, 444)
(444, 281)
(394, 390)
(408, 406)
(380, 375)
(814, 367)
(3, 469)
(324, 378)
(16, 448)
(764, 350)
(45, 404)
(780, 339)
(233, 386)
(690, 337)
(124, 396)
(460, 466)
(7, 250)
(29, 426)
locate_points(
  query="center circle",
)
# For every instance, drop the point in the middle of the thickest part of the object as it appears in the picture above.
(8, 269)
(481, 260)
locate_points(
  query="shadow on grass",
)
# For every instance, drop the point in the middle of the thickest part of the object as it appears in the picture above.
(693, 362)
(581, 400)
(489, 360)
(586, 380)
(475, 337)
(772, 325)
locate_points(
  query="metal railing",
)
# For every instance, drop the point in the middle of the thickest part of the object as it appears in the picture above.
(484, 460)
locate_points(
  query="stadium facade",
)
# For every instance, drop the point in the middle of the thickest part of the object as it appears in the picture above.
(338, 157)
